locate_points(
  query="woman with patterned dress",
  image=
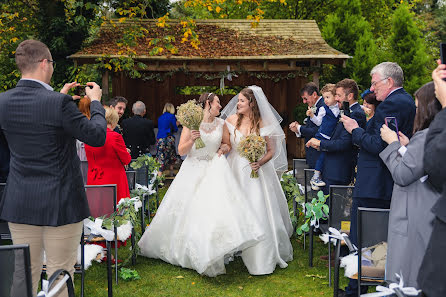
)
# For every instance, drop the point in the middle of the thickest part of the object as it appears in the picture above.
(203, 216)
(165, 141)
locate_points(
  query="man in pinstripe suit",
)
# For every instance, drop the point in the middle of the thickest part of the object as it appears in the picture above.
(44, 200)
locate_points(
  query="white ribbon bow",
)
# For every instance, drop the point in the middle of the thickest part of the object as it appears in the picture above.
(335, 233)
(96, 228)
(136, 202)
(384, 291)
(228, 76)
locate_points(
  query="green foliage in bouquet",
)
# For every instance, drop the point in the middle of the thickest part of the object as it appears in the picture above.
(252, 147)
(314, 211)
(129, 274)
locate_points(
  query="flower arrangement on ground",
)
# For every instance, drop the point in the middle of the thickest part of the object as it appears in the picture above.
(190, 115)
(252, 147)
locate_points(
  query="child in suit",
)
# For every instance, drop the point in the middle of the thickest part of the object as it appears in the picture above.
(327, 120)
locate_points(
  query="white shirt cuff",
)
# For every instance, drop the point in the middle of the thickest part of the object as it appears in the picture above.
(402, 150)
(298, 131)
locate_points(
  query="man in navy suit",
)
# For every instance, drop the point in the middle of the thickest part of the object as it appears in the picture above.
(374, 183)
(341, 155)
(44, 201)
(4, 159)
(310, 96)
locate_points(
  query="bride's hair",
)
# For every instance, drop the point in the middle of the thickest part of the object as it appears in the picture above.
(206, 97)
(255, 118)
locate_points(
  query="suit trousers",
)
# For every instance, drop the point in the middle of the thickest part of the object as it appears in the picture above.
(59, 243)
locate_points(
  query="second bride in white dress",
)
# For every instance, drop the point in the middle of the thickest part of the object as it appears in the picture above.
(203, 216)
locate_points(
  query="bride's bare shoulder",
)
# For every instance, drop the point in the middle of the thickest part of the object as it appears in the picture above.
(232, 119)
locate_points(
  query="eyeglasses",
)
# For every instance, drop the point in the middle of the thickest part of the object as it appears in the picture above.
(49, 61)
(375, 82)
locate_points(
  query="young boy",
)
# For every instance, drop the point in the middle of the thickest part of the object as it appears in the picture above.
(326, 119)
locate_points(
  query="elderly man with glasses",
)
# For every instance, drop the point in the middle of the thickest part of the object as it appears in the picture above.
(374, 182)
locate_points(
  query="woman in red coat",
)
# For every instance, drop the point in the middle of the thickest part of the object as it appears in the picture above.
(106, 163)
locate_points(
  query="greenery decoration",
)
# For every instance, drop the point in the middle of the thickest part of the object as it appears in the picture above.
(292, 192)
(128, 274)
(314, 211)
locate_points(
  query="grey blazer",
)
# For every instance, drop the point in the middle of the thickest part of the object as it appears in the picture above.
(410, 210)
(45, 184)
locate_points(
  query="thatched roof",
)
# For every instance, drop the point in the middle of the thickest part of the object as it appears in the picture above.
(222, 39)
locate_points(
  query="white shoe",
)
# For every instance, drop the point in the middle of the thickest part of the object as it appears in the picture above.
(314, 187)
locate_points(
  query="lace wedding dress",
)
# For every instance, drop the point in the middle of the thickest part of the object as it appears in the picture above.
(267, 200)
(203, 216)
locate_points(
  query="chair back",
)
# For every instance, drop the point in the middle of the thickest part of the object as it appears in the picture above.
(298, 173)
(142, 175)
(373, 224)
(15, 274)
(84, 171)
(4, 229)
(101, 199)
(340, 202)
(131, 179)
(309, 192)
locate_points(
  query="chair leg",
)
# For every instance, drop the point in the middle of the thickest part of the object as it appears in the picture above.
(82, 264)
(310, 248)
(133, 247)
(336, 268)
(116, 255)
(329, 261)
(109, 270)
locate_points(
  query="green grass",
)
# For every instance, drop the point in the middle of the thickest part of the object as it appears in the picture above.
(162, 279)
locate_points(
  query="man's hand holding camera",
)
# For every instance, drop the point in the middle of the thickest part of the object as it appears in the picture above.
(92, 90)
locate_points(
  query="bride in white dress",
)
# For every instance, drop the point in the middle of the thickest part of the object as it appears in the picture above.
(250, 112)
(203, 216)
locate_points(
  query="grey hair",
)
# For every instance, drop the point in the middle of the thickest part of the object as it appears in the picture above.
(389, 69)
(138, 108)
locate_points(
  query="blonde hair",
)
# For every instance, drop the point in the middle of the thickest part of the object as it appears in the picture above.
(169, 108)
(111, 116)
(329, 88)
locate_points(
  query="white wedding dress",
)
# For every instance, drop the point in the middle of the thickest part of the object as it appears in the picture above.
(203, 216)
(266, 198)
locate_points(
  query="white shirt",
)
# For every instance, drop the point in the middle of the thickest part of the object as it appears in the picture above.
(298, 134)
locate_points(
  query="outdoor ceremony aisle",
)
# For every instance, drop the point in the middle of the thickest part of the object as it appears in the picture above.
(161, 279)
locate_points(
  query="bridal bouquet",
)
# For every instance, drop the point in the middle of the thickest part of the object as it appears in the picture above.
(190, 115)
(252, 147)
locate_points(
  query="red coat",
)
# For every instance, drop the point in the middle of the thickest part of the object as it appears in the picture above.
(106, 164)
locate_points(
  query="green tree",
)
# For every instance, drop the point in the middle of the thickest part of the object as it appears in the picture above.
(408, 49)
(347, 31)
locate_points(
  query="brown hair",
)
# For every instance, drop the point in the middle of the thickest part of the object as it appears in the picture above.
(370, 98)
(115, 100)
(349, 86)
(206, 97)
(84, 106)
(255, 119)
(29, 53)
(428, 106)
(329, 88)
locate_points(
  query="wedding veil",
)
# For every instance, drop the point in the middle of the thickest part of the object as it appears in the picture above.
(271, 127)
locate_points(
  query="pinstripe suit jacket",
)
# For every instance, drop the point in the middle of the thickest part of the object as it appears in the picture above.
(45, 184)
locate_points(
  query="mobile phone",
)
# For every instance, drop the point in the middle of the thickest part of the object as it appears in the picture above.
(392, 123)
(443, 54)
(346, 108)
(80, 90)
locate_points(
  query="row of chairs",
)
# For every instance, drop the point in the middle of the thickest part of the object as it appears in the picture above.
(372, 226)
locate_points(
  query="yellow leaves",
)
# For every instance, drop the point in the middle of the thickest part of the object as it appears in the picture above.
(217, 9)
(209, 8)
(162, 21)
(108, 66)
(122, 20)
(13, 40)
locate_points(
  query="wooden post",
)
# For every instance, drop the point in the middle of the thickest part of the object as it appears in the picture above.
(316, 78)
(105, 87)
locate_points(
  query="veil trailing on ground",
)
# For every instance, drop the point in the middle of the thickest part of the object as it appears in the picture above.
(270, 126)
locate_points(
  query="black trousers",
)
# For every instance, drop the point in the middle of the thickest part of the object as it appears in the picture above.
(431, 277)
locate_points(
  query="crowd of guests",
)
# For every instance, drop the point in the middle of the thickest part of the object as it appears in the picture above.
(392, 163)
(397, 167)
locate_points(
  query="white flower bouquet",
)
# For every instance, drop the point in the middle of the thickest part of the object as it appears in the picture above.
(190, 115)
(252, 147)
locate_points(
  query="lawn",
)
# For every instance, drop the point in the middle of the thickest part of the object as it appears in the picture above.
(162, 279)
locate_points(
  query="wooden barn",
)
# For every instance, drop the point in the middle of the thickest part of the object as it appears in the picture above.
(278, 55)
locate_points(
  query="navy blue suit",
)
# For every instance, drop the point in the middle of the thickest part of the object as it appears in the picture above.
(309, 131)
(340, 157)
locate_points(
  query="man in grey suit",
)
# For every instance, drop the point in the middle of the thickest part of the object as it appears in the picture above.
(44, 200)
